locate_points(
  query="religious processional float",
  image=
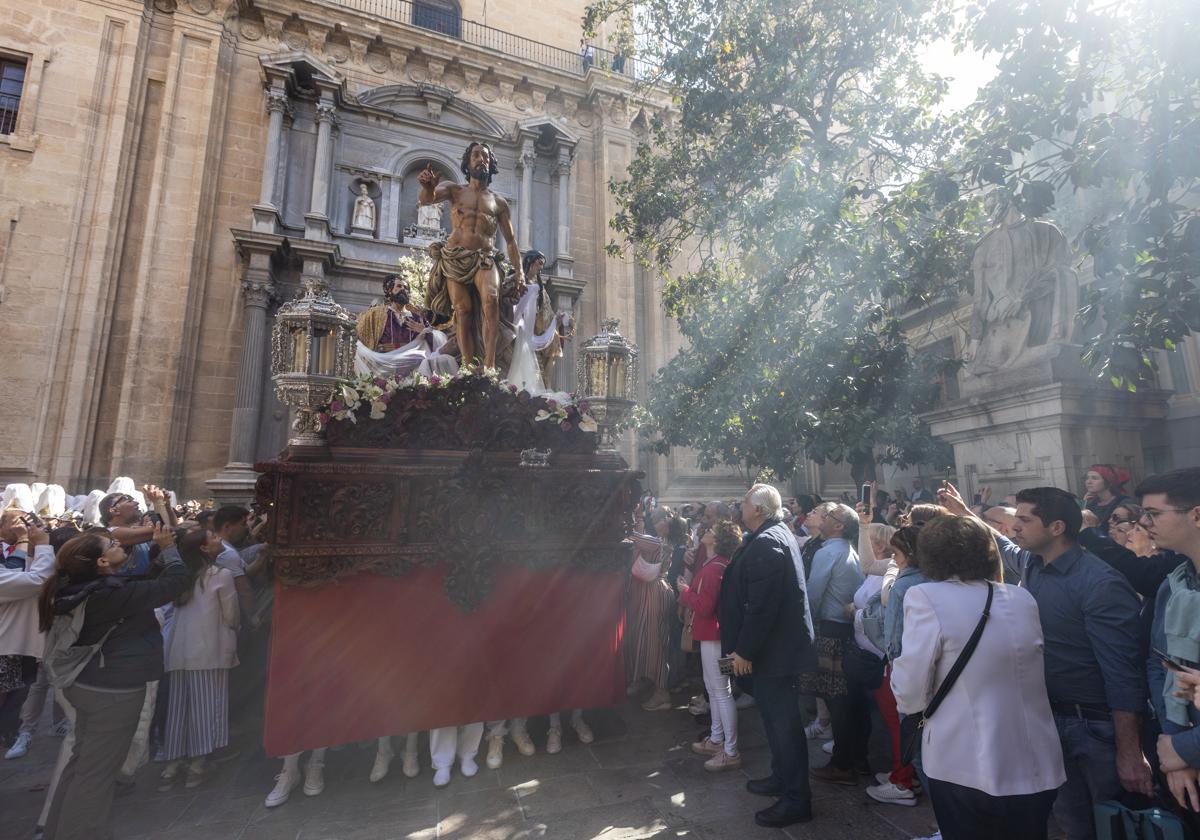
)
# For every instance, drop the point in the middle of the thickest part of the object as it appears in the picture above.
(447, 549)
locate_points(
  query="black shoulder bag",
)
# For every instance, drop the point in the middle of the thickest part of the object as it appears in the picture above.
(911, 726)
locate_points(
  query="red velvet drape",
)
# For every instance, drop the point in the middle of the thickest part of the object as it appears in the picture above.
(371, 656)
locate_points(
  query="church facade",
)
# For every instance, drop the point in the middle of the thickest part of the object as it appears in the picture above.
(171, 168)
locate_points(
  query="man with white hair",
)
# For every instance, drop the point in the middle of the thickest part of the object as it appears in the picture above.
(767, 630)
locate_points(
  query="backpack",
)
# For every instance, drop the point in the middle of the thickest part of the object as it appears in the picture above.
(64, 658)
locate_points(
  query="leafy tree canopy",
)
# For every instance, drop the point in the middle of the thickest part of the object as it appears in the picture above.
(816, 197)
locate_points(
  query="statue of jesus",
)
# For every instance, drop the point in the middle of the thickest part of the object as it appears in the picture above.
(465, 280)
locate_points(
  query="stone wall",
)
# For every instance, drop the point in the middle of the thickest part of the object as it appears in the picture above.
(135, 250)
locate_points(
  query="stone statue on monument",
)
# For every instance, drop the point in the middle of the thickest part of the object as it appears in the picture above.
(429, 217)
(1026, 294)
(364, 211)
(466, 278)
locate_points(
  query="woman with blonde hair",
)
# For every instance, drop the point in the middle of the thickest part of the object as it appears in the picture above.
(650, 607)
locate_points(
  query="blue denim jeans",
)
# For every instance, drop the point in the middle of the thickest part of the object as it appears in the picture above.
(1090, 757)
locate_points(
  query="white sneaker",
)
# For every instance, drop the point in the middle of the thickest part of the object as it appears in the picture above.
(468, 766)
(891, 794)
(524, 744)
(412, 767)
(20, 746)
(698, 705)
(495, 756)
(817, 731)
(744, 701)
(553, 742)
(586, 736)
(285, 783)
(441, 777)
(827, 748)
(383, 762)
(314, 778)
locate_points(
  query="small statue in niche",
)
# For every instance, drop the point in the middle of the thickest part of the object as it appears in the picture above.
(364, 211)
(429, 217)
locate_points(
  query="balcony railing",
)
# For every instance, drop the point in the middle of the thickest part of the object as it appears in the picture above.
(9, 106)
(437, 18)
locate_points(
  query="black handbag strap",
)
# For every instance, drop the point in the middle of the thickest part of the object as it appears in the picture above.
(963, 658)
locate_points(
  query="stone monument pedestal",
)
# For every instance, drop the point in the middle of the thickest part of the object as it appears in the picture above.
(1043, 424)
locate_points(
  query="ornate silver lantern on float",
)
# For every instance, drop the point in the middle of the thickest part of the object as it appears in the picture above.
(607, 375)
(312, 352)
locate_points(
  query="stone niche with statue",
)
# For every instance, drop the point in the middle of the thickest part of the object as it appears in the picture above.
(1030, 413)
(445, 549)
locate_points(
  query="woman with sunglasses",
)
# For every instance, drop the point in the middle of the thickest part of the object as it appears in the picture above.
(108, 693)
(1104, 487)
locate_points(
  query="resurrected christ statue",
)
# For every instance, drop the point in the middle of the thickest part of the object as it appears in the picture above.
(466, 275)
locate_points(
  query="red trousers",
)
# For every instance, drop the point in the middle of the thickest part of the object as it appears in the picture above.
(901, 776)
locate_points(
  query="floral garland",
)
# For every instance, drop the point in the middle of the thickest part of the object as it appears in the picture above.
(379, 392)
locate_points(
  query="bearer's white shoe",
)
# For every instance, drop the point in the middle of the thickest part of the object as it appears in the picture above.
(524, 743)
(383, 762)
(412, 767)
(495, 756)
(314, 778)
(285, 783)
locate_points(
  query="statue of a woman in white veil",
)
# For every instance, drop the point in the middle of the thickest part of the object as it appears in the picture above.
(526, 367)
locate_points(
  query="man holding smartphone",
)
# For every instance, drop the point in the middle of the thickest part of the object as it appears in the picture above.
(1171, 514)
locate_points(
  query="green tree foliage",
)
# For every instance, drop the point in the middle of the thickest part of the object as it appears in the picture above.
(802, 181)
(1096, 95)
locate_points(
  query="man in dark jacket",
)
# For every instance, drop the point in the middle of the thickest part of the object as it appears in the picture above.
(766, 627)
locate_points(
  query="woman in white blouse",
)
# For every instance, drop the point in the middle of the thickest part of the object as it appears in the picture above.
(991, 750)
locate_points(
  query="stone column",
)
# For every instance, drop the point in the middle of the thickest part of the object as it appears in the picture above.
(525, 233)
(317, 220)
(235, 483)
(266, 212)
(563, 262)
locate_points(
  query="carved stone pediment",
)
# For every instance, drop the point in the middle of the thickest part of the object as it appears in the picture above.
(419, 102)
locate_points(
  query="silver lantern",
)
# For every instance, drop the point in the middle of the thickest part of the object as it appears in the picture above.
(312, 352)
(607, 375)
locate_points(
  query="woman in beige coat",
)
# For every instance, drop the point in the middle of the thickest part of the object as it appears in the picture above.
(991, 750)
(201, 647)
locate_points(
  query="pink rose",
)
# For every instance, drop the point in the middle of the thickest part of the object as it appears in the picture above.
(512, 388)
(435, 380)
(380, 382)
(552, 404)
(336, 406)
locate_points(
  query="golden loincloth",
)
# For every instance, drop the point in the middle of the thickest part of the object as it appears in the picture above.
(455, 264)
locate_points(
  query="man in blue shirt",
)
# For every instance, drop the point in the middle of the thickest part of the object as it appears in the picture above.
(1171, 514)
(836, 576)
(1089, 620)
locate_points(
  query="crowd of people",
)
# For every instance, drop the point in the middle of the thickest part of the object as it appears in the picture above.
(1056, 638)
(1033, 657)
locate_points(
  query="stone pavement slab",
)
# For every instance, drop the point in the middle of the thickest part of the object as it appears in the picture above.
(639, 780)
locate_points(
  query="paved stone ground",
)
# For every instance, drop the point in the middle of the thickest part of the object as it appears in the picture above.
(638, 780)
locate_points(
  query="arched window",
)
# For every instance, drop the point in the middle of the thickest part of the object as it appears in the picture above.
(438, 15)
